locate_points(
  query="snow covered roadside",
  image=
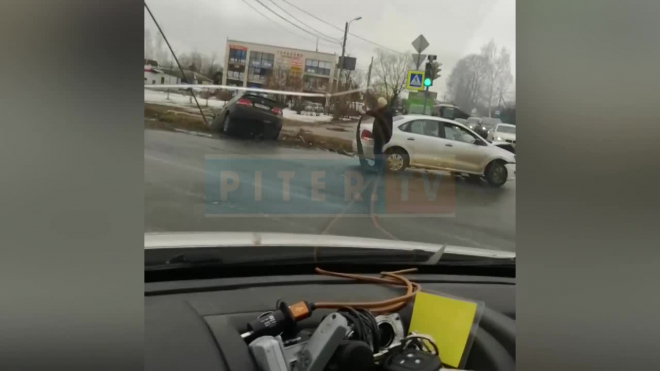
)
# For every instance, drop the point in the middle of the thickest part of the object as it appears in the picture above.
(178, 100)
(293, 115)
(183, 101)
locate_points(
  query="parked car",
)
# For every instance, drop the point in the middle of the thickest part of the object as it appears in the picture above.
(313, 109)
(448, 111)
(430, 142)
(249, 113)
(487, 125)
(504, 133)
(473, 122)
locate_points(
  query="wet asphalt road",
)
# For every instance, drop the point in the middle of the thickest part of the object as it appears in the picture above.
(176, 198)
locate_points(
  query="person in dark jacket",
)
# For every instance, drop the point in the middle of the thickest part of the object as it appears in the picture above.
(382, 130)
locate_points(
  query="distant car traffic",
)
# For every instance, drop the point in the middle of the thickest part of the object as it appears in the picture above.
(487, 124)
(248, 113)
(473, 122)
(503, 133)
(449, 111)
(430, 142)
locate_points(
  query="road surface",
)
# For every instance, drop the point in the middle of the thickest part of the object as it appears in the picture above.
(176, 168)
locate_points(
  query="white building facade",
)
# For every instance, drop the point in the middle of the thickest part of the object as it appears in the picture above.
(155, 76)
(250, 65)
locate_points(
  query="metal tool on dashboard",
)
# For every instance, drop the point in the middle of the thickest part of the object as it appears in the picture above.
(271, 355)
(282, 320)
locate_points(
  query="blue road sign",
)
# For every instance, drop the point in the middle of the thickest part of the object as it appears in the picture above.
(415, 80)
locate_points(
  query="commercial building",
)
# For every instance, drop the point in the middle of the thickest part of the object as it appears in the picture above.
(267, 66)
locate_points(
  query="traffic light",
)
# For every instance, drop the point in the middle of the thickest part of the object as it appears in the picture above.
(428, 74)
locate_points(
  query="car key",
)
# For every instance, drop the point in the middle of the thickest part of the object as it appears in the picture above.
(411, 360)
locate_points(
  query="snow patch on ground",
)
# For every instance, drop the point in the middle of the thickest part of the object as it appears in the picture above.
(293, 115)
(184, 100)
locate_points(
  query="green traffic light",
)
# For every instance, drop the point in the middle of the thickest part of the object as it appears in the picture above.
(427, 82)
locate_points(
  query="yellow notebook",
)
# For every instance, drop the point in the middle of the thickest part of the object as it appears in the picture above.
(448, 321)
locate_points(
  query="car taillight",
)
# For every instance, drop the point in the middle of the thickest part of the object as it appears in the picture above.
(244, 102)
(277, 111)
(365, 135)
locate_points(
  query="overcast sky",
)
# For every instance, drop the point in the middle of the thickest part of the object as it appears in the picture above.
(454, 28)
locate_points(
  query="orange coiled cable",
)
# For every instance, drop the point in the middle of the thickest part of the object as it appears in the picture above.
(376, 307)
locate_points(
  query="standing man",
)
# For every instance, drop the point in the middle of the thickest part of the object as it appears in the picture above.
(382, 130)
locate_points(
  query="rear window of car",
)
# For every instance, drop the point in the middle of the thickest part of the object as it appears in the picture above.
(260, 98)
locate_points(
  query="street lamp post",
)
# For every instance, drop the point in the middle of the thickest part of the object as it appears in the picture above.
(343, 48)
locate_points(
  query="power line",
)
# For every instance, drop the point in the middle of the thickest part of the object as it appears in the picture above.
(313, 16)
(333, 26)
(303, 23)
(270, 19)
(295, 25)
(280, 25)
(183, 74)
(374, 43)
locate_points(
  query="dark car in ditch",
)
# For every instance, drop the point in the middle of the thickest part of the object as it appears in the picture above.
(249, 114)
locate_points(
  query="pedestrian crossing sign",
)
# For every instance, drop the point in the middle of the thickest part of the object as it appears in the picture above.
(415, 80)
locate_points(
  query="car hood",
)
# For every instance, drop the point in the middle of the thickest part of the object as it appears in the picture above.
(506, 155)
(254, 239)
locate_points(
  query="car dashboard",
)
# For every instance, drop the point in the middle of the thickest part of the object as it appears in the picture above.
(197, 324)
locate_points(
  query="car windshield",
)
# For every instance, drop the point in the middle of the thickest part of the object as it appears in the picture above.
(252, 114)
(506, 129)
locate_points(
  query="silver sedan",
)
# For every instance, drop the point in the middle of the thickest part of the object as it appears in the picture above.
(430, 142)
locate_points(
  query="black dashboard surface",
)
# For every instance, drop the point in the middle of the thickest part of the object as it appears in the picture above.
(196, 325)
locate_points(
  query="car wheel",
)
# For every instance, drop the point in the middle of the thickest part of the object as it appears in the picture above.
(226, 125)
(275, 135)
(216, 125)
(397, 160)
(496, 174)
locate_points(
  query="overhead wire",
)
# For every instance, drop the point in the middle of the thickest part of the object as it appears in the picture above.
(303, 23)
(183, 74)
(293, 24)
(338, 28)
(282, 26)
(272, 20)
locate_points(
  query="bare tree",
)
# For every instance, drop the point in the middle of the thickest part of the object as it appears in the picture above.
(210, 66)
(209, 69)
(479, 81)
(148, 45)
(390, 71)
(498, 73)
(197, 63)
(186, 60)
(283, 79)
(344, 104)
(161, 53)
(466, 81)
